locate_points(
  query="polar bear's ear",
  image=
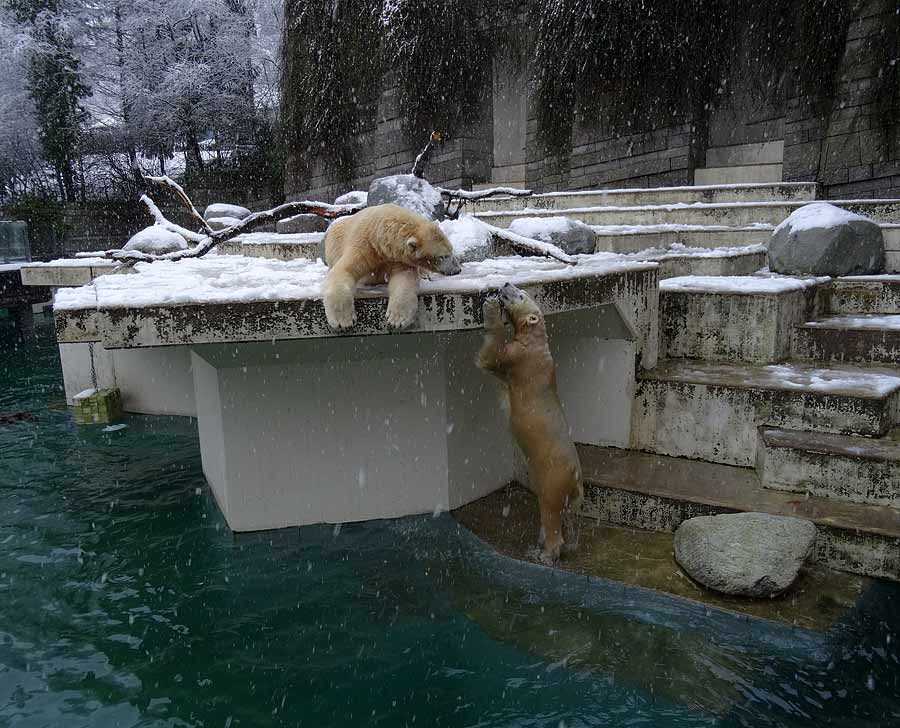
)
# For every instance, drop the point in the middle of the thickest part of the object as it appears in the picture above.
(532, 319)
(412, 245)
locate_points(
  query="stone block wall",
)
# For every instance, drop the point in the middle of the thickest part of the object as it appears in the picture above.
(385, 148)
(851, 143)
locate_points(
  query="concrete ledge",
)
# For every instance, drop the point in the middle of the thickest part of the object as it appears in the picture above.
(710, 193)
(859, 339)
(866, 295)
(658, 493)
(635, 240)
(297, 246)
(713, 411)
(843, 467)
(65, 273)
(735, 174)
(632, 287)
(725, 214)
(752, 323)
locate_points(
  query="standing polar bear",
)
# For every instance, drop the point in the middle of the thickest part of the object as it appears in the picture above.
(382, 243)
(526, 368)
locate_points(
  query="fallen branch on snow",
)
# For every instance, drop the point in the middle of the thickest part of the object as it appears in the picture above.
(531, 245)
(205, 243)
(461, 197)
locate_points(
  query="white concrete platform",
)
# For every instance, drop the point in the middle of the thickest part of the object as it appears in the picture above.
(739, 174)
(299, 424)
(65, 272)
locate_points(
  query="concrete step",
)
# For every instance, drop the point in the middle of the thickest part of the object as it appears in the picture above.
(866, 294)
(758, 173)
(641, 196)
(712, 411)
(632, 238)
(734, 155)
(843, 467)
(736, 318)
(693, 262)
(849, 338)
(731, 214)
(657, 493)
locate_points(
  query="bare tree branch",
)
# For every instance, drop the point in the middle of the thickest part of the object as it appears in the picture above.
(470, 195)
(418, 169)
(182, 195)
(159, 219)
(532, 246)
(208, 242)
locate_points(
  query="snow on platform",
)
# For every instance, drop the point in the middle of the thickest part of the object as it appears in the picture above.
(219, 299)
(747, 285)
(861, 322)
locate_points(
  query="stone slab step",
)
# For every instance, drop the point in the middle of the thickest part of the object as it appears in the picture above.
(712, 411)
(65, 273)
(732, 214)
(738, 174)
(732, 155)
(849, 338)
(736, 318)
(843, 467)
(657, 493)
(631, 239)
(866, 294)
(280, 246)
(739, 263)
(638, 196)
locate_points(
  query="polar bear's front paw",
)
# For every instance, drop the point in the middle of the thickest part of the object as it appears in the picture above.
(491, 313)
(340, 314)
(401, 316)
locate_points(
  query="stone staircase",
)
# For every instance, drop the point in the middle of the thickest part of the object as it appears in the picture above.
(757, 383)
(705, 216)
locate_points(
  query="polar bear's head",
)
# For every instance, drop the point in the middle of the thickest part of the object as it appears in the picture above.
(524, 313)
(429, 248)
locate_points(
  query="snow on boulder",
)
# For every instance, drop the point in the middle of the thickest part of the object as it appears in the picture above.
(302, 224)
(220, 223)
(222, 209)
(155, 240)
(745, 554)
(472, 240)
(820, 239)
(572, 236)
(410, 192)
(356, 197)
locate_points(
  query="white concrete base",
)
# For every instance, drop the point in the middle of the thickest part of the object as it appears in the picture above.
(738, 174)
(351, 429)
(153, 381)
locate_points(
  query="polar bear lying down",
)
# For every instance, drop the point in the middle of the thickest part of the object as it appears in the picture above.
(526, 368)
(378, 244)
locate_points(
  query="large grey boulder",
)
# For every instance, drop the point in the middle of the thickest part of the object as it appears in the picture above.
(156, 240)
(572, 236)
(820, 239)
(745, 554)
(220, 223)
(410, 192)
(302, 224)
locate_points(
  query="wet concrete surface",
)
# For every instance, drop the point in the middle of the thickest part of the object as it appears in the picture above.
(508, 520)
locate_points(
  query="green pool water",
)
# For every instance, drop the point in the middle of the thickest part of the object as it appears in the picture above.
(126, 601)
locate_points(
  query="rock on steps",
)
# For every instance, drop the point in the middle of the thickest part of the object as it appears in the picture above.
(843, 467)
(657, 493)
(711, 411)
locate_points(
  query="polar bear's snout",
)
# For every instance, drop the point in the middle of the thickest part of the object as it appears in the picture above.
(510, 295)
(448, 265)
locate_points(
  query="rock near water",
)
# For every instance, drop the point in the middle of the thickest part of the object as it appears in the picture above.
(744, 554)
(820, 239)
(572, 236)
